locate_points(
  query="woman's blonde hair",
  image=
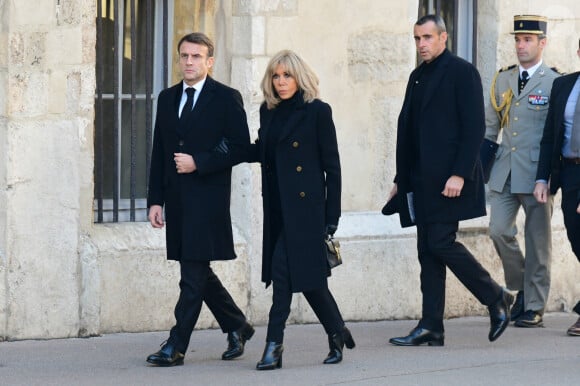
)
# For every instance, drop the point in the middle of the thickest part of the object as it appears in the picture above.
(306, 79)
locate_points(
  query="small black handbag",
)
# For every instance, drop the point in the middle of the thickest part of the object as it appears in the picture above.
(332, 252)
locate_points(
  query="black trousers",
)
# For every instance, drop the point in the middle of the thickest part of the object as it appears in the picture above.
(199, 284)
(438, 249)
(570, 200)
(321, 300)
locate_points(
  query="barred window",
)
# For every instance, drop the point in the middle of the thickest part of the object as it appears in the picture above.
(460, 18)
(131, 69)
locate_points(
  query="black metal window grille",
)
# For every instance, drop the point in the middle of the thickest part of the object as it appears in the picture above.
(460, 18)
(131, 69)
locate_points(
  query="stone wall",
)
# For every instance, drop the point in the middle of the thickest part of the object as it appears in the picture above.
(47, 87)
(61, 275)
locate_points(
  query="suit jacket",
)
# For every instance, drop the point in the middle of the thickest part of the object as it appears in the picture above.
(197, 205)
(519, 150)
(550, 162)
(451, 126)
(309, 183)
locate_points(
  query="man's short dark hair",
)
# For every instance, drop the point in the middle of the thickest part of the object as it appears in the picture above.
(197, 38)
(438, 20)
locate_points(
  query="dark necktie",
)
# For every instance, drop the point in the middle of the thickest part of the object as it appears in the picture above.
(523, 80)
(575, 135)
(188, 103)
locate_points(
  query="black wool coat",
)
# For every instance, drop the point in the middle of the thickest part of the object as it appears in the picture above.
(308, 175)
(451, 123)
(197, 205)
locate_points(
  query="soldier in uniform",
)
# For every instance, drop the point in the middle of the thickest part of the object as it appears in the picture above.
(520, 96)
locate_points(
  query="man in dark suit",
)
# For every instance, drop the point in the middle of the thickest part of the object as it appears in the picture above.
(440, 130)
(192, 179)
(559, 164)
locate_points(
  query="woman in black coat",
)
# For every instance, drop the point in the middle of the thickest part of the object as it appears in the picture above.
(298, 153)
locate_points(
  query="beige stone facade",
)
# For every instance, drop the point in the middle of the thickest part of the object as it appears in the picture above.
(62, 275)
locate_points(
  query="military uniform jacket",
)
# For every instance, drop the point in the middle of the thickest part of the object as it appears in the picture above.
(519, 150)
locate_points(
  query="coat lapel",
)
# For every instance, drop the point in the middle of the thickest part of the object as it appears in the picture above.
(205, 96)
(536, 79)
(532, 84)
(287, 128)
(294, 119)
(178, 91)
(406, 109)
(174, 117)
(513, 82)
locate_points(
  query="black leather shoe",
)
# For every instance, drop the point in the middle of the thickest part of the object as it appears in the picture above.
(336, 343)
(518, 307)
(530, 319)
(236, 342)
(419, 336)
(167, 356)
(499, 315)
(272, 357)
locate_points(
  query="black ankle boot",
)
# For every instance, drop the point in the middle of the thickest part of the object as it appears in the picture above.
(272, 357)
(347, 336)
(336, 343)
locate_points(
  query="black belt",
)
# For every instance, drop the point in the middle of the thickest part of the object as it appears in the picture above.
(571, 161)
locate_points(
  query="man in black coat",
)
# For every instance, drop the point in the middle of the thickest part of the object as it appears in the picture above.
(192, 179)
(440, 130)
(559, 162)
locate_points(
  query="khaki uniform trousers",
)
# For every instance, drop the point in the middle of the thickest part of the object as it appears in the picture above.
(532, 273)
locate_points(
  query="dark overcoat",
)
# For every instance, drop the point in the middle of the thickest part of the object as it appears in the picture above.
(308, 174)
(550, 163)
(197, 205)
(451, 123)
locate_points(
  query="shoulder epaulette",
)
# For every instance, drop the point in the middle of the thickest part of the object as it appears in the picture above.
(507, 68)
(555, 69)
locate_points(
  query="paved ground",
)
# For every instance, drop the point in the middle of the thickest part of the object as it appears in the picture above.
(543, 356)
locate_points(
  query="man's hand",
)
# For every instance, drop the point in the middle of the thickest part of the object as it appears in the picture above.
(156, 216)
(453, 187)
(541, 192)
(578, 209)
(184, 163)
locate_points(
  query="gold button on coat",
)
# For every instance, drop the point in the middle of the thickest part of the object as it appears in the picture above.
(302, 194)
(298, 169)
(295, 144)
